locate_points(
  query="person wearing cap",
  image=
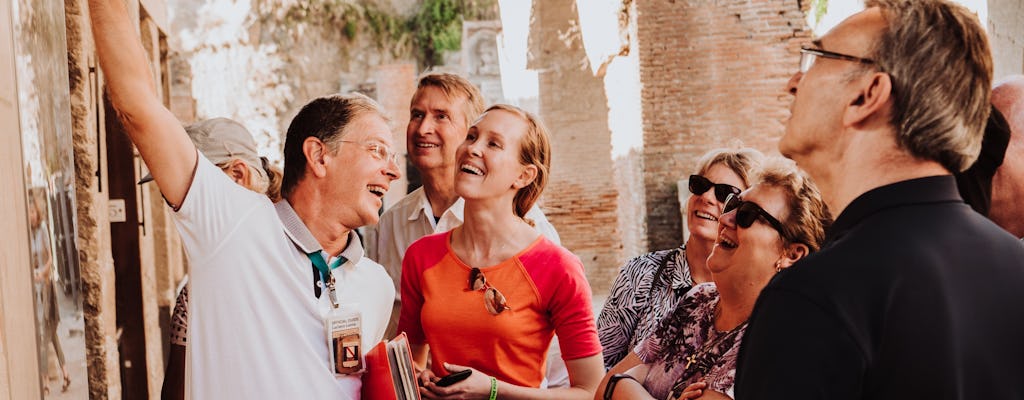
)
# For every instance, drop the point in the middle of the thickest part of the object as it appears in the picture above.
(230, 147)
(265, 279)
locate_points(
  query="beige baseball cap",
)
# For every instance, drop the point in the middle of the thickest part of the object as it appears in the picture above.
(222, 140)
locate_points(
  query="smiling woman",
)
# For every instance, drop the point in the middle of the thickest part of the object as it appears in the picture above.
(692, 352)
(489, 295)
(649, 286)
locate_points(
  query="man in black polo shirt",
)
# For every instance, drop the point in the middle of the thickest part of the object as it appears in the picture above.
(914, 296)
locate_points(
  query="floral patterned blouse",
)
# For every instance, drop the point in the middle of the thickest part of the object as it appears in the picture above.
(686, 348)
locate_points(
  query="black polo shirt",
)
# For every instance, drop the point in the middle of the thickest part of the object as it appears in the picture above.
(914, 296)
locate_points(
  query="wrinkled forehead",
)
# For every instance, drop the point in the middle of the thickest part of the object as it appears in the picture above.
(369, 126)
(437, 97)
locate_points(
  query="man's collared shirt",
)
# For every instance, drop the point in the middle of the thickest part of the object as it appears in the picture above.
(255, 328)
(913, 295)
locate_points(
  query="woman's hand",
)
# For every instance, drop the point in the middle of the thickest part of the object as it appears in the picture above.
(693, 391)
(698, 391)
(426, 376)
(714, 395)
(476, 386)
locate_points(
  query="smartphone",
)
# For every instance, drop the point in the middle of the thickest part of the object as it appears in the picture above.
(453, 378)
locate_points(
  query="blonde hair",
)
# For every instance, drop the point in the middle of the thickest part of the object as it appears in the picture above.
(743, 161)
(534, 149)
(454, 86)
(808, 215)
(257, 182)
(274, 179)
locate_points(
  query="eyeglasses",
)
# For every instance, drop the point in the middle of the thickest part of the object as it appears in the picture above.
(699, 185)
(493, 299)
(378, 150)
(747, 212)
(809, 55)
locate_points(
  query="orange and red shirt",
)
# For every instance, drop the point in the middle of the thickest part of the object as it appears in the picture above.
(544, 285)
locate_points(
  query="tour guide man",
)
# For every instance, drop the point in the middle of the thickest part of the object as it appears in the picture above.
(262, 277)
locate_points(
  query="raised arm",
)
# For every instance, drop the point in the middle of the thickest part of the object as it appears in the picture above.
(159, 136)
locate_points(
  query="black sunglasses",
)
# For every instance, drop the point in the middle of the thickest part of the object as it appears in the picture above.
(699, 185)
(747, 212)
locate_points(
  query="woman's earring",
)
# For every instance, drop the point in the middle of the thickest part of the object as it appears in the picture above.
(778, 266)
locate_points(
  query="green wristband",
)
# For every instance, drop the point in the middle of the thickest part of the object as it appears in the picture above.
(494, 389)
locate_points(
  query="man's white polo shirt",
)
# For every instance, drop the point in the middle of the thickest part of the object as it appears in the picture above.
(255, 327)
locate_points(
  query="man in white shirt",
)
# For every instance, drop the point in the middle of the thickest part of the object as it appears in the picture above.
(441, 112)
(262, 274)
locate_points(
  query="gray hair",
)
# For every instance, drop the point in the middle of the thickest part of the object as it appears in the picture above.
(938, 58)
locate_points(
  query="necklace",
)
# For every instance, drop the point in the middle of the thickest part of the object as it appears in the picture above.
(707, 347)
(702, 353)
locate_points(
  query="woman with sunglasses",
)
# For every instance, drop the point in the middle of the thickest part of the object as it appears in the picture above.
(649, 286)
(692, 353)
(489, 295)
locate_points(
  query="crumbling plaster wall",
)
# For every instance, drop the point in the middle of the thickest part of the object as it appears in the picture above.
(1006, 32)
(95, 258)
(580, 199)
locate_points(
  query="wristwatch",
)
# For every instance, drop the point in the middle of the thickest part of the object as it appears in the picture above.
(609, 390)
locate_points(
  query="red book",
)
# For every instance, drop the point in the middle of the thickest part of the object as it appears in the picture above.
(390, 372)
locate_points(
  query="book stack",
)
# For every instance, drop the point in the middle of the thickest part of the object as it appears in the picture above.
(390, 372)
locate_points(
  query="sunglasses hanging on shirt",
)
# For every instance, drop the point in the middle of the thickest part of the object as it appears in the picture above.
(493, 299)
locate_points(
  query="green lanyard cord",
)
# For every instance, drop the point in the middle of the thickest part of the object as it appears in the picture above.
(318, 261)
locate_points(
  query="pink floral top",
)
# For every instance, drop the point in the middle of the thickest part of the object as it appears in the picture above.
(688, 333)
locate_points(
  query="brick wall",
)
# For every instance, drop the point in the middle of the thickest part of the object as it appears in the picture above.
(580, 199)
(630, 186)
(712, 71)
(395, 85)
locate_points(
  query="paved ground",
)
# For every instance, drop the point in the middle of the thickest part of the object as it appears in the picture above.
(72, 338)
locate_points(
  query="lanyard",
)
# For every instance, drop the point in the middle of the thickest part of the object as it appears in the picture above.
(325, 273)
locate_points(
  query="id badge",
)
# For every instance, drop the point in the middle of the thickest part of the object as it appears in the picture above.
(344, 325)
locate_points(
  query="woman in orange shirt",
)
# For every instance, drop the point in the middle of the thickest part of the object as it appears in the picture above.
(489, 295)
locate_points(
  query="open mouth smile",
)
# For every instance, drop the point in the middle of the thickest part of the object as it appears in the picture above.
(469, 169)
